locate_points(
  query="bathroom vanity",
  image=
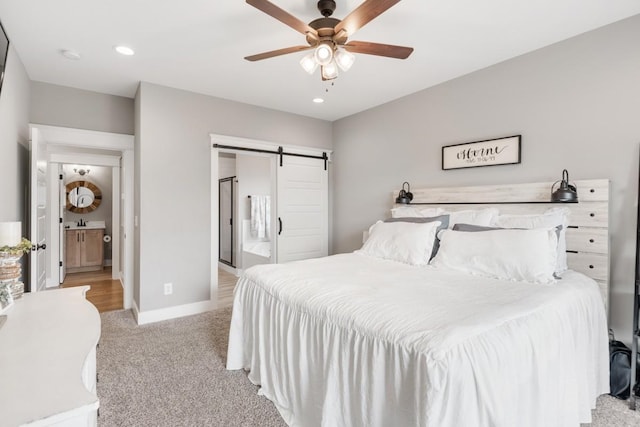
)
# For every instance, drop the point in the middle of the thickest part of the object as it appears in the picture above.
(84, 246)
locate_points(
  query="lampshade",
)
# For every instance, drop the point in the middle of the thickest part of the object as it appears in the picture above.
(10, 233)
(323, 53)
(344, 59)
(565, 193)
(405, 196)
(329, 71)
(308, 63)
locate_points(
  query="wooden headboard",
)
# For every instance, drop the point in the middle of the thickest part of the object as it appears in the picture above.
(588, 232)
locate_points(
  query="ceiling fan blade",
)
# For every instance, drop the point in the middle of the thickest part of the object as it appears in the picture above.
(282, 16)
(363, 14)
(389, 50)
(271, 54)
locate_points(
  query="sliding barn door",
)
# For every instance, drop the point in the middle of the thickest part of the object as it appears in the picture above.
(302, 223)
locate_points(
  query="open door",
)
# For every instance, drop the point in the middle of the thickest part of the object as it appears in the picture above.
(302, 224)
(62, 192)
(38, 212)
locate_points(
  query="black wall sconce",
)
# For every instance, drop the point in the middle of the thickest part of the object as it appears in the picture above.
(565, 193)
(405, 196)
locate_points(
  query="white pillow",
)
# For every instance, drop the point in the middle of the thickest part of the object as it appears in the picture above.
(414, 212)
(483, 217)
(520, 255)
(550, 218)
(407, 242)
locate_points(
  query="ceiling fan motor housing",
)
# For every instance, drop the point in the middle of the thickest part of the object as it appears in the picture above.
(326, 7)
(324, 27)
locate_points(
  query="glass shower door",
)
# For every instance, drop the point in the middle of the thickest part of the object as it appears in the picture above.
(225, 227)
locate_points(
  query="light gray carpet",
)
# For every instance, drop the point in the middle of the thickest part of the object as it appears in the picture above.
(172, 373)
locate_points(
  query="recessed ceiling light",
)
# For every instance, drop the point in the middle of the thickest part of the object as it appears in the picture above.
(70, 54)
(318, 100)
(124, 50)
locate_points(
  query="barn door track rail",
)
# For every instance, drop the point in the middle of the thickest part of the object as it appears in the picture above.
(280, 153)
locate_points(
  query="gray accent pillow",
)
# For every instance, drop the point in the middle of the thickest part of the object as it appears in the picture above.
(444, 224)
(473, 228)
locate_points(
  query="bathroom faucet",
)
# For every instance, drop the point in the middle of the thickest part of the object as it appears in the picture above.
(81, 223)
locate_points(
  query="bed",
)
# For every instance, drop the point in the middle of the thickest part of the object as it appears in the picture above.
(356, 340)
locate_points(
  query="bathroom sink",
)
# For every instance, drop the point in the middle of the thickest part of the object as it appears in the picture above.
(90, 225)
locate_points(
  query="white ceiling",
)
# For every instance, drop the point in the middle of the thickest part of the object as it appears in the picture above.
(199, 45)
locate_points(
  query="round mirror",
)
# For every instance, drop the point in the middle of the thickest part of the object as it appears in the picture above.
(82, 197)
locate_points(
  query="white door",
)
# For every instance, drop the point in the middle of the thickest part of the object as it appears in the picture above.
(302, 223)
(62, 193)
(38, 207)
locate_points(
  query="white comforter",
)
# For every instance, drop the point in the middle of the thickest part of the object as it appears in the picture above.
(350, 340)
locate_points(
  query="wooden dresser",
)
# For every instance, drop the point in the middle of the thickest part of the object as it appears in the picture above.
(48, 360)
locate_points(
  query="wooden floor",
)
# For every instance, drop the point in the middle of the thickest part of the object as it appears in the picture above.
(226, 284)
(106, 294)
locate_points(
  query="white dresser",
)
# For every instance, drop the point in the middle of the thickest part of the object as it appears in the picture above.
(48, 360)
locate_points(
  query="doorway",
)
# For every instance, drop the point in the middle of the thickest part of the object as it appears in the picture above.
(65, 146)
(291, 181)
(87, 203)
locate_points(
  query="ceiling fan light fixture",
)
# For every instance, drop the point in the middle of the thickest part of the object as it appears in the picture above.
(329, 71)
(308, 63)
(344, 59)
(323, 53)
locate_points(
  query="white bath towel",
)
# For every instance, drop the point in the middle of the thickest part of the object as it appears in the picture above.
(260, 216)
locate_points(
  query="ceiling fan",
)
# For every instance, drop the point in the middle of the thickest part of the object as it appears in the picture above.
(328, 36)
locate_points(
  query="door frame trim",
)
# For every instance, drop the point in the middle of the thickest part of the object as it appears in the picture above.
(60, 140)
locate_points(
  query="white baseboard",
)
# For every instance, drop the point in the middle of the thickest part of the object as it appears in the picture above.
(151, 316)
(135, 311)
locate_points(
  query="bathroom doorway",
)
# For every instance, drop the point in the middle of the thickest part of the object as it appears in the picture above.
(280, 204)
(246, 183)
(87, 218)
(66, 146)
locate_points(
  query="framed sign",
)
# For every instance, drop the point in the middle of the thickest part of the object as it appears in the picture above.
(490, 152)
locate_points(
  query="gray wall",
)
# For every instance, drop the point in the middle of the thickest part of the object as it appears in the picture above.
(575, 104)
(81, 109)
(14, 141)
(173, 182)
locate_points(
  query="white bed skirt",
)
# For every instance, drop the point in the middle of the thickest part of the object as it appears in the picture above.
(326, 370)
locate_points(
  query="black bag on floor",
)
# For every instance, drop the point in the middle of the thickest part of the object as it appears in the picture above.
(620, 369)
